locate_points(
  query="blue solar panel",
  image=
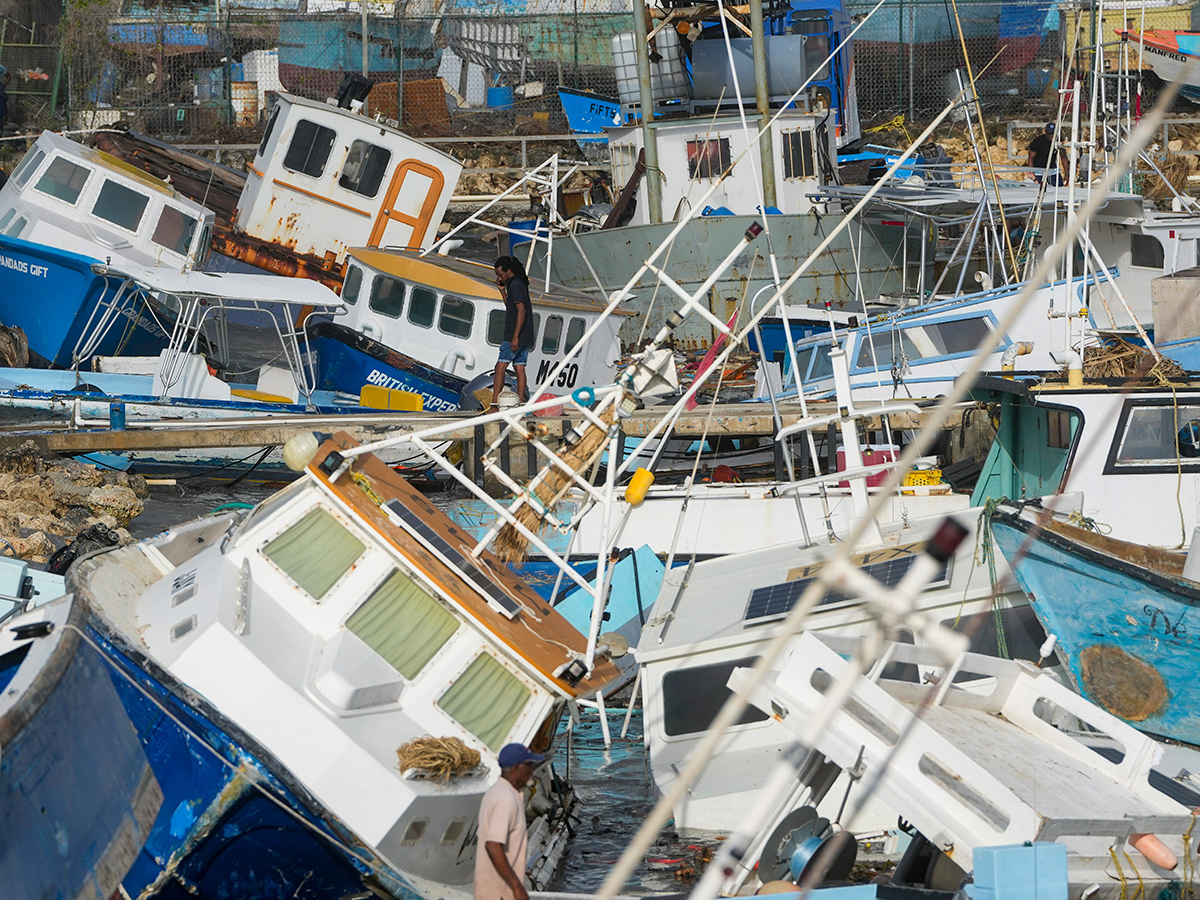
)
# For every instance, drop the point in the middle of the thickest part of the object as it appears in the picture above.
(776, 601)
(454, 558)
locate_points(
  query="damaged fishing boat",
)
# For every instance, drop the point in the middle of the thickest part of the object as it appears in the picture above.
(277, 692)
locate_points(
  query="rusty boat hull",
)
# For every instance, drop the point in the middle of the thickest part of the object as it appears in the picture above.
(1126, 620)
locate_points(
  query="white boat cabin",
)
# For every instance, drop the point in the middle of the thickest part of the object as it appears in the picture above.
(693, 153)
(74, 198)
(326, 179)
(448, 313)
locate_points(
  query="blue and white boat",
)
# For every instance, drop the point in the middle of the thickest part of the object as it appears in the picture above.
(275, 688)
(66, 208)
(79, 794)
(1120, 612)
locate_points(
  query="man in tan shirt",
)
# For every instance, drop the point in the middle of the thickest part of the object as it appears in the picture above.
(500, 857)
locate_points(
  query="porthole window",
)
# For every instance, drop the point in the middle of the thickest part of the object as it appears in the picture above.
(64, 180)
(387, 296)
(364, 168)
(309, 150)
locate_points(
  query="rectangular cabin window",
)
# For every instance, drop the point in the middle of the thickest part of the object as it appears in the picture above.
(495, 327)
(1145, 251)
(1158, 435)
(693, 697)
(175, 230)
(486, 699)
(18, 225)
(798, 154)
(120, 205)
(404, 624)
(1058, 429)
(315, 552)
(707, 158)
(959, 336)
(552, 335)
(7, 217)
(456, 317)
(887, 348)
(262, 147)
(364, 168)
(574, 333)
(64, 180)
(421, 307)
(387, 296)
(309, 150)
(352, 285)
(27, 166)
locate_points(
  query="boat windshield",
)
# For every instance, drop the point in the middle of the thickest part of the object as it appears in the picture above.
(1155, 435)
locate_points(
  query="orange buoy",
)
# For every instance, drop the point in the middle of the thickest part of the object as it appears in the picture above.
(1156, 852)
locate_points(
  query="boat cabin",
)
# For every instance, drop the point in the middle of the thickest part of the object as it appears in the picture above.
(448, 313)
(80, 200)
(694, 153)
(325, 179)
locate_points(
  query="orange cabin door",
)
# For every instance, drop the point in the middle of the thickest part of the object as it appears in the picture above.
(410, 178)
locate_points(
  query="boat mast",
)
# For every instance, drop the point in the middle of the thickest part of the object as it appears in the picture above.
(641, 17)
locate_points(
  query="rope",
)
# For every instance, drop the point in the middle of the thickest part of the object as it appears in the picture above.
(897, 122)
(440, 757)
(365, 483)
(1189, 866)
(985, 552)
(1112, 851)
(1141, 890)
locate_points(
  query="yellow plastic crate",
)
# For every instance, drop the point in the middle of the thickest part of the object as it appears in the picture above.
(375, 397)
(923, 476)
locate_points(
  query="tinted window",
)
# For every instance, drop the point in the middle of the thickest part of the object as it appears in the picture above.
(552, 335)
(15, 229)
(7, 217)
(961, 336)
(457, 316)
(495, 328)
(387, 296)
(26, 167)
(574, 334)
(309, 150)
(120, 205)
(174, 230)
(64, 180)
(1158, 434)
(262, 147)
(693, 697)
(1146, 251)
(421, 306)
(365, 165)
(890, 349)
(352, 285)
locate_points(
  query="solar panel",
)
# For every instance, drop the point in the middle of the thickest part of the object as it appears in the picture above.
(776, 601)
(453, 557)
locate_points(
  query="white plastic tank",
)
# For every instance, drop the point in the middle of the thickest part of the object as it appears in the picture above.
(668, 78)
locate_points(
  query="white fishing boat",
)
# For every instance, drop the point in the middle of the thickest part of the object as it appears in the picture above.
(277, 689)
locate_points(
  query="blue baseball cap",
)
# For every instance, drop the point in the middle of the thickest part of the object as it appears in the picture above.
(1050, 127)
(514, 754)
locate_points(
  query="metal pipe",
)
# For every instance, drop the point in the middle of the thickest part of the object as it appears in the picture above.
(653, 184)
(758, 45)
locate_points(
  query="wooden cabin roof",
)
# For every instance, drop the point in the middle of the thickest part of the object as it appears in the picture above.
(539, 634)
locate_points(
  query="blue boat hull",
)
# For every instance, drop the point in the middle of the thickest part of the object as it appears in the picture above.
(79, 795)
(348, 360)
(52, 294)
(1122, 627)
(232, 825)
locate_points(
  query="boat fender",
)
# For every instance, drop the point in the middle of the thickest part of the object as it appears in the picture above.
(638, 485)
(1156, 852)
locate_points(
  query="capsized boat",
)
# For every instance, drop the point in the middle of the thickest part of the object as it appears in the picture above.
(1119, 612)
(80, 795)
(273, 688)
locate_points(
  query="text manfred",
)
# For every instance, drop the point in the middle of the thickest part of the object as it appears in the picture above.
(23, 266)
(428, 400)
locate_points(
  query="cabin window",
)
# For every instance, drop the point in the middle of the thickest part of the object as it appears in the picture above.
(120, 205)
(1020, 630)
(175, 230)
(552, 335)
(315, 552)
(495, 327)
(262, 147)
(203, 245)
(309, 150)
(1158, 435)
(15, 229)
(798, 154)
(574, 333)
(486, 699)
(1145, 251)
(693, 697)
(708, 158)
(387, 296)
(364, 168)
(1058, 429)
(456, 317)
(404, 624)
(27, 166)
(537, 324)
(352, 285)
(64, 180)
(421, 307)
(822, 362)
(7, 217)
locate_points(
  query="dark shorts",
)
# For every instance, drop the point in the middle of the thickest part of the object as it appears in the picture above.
(508, 356)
